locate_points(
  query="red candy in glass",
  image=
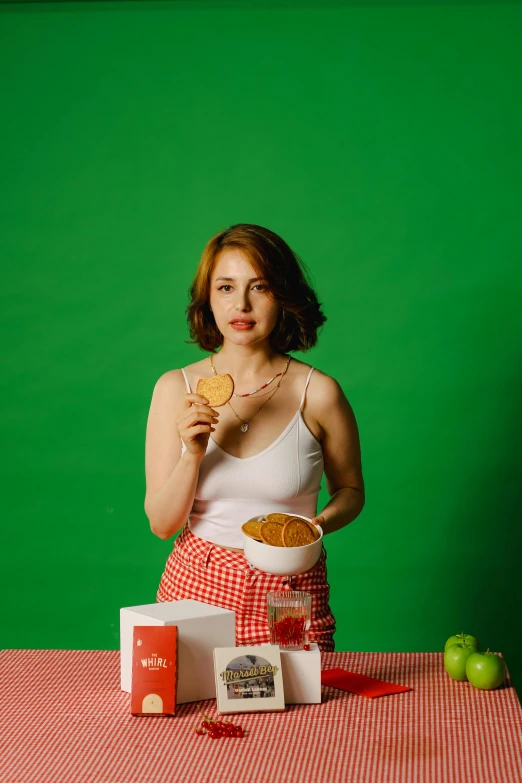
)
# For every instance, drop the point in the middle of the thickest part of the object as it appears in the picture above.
(289, 615)
(290, 631)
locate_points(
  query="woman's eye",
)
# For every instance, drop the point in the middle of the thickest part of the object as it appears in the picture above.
(259, 286)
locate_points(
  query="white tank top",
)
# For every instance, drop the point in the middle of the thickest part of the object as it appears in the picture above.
(285, 477)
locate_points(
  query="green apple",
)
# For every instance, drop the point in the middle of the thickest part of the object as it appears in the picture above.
(486, 670)
(461, 637)
(455, 659)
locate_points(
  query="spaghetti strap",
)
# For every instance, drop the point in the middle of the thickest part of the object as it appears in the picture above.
(186, 380)
(305, 388)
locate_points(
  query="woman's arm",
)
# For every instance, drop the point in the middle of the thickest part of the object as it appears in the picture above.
(342, 456)
(171, 478)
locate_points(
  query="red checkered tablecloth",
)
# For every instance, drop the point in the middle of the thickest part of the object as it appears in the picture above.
(64, 719)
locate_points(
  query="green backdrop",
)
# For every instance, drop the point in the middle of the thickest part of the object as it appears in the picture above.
(383, 143)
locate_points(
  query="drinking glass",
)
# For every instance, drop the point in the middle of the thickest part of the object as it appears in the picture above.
(289, 615)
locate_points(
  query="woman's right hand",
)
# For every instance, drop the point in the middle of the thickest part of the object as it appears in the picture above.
(195, 423)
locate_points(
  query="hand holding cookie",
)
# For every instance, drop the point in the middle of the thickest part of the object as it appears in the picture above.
(195, 423)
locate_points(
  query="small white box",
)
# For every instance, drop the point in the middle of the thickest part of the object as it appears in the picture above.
(201, 627)
(302, 675)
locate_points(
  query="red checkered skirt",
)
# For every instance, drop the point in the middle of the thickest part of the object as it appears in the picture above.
(206, 572)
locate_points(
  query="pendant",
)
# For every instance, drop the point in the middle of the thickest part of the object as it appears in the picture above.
(244, 426)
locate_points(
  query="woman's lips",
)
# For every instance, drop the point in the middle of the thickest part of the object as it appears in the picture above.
(242, 326)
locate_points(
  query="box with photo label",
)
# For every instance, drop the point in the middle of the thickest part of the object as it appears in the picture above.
(249, 679)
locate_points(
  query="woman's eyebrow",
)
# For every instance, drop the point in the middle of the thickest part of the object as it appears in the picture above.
(252, 280)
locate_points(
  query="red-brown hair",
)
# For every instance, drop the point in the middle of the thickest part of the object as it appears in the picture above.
(300, 316)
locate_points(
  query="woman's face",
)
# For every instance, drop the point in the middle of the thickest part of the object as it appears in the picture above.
(243, 309)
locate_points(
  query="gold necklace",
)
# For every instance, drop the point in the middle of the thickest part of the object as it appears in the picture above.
(250, 394)
(245, 423)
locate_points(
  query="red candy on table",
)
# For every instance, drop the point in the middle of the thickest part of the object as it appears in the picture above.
(217, 728)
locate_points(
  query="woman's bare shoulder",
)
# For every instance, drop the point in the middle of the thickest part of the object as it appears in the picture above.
(168, 393)
(172, 383)
(324, 383)
(324, 393)
(199, 367)
(172, 378)
(321, 385)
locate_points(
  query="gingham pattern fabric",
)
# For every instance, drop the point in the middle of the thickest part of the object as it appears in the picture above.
(64, 719)
(205, 572)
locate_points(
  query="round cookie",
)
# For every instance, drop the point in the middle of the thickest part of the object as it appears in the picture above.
(217, 390)
(252, 529)
(278, 518)
(298, 532)
(272, 533)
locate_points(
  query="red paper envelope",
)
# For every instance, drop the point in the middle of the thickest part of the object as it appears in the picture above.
(360, 683)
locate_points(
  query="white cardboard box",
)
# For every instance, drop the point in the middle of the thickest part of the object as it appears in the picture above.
(302, 675)
(201, 627)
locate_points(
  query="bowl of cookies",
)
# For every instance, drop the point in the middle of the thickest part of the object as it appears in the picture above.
(282, 544)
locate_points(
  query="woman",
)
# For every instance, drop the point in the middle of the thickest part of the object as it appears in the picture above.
(209, 470)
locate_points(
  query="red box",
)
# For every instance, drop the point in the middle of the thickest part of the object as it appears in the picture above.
(154, 670)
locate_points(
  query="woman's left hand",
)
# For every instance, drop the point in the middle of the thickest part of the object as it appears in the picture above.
(319, 521)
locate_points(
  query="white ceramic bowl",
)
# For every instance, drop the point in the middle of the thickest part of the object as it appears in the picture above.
(282, 560)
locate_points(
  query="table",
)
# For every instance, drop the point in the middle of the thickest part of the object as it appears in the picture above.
(64, 719)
